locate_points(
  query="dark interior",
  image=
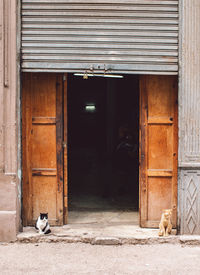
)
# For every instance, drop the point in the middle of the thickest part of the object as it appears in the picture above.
(103, 140)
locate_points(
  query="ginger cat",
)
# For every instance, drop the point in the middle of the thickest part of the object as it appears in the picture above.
(165, 225)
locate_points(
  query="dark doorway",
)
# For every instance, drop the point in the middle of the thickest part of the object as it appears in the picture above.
(103, 143)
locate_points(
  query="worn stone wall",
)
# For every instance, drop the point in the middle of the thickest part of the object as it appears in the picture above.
(189, 117)
(9, 182)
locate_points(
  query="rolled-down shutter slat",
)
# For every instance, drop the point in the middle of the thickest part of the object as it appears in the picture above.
(127, 36)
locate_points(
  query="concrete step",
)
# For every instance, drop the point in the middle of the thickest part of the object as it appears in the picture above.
(105, 235)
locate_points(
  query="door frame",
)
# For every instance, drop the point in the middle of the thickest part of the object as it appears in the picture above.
(63, 149)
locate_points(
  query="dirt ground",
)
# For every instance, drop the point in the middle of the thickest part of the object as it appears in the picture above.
(61, 258)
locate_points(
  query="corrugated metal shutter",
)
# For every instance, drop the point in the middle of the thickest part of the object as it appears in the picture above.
(126, 36)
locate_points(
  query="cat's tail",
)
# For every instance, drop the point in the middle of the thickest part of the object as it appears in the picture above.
(48, 231)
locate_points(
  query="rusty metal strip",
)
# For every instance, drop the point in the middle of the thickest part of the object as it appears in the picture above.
(6, 17)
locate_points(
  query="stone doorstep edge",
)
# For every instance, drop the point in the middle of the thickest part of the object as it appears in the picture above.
(184, 240)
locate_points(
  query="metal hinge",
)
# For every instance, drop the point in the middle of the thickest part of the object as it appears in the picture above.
(64, 77)
(64, 144)
(65, 202)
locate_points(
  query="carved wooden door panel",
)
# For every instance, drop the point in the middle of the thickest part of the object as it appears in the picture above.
(158, 148)
(42, 137)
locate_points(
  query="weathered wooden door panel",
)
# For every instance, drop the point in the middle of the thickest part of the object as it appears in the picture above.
(42, 118)
(158, 150)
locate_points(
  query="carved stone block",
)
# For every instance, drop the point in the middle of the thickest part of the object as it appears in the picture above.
(189, 204)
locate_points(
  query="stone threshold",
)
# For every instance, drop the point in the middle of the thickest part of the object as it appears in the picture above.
(95, 236)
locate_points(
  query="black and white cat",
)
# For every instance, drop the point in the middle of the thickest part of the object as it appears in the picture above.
(42, 224)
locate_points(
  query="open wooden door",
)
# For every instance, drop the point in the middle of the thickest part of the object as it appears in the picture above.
(158, 148)
(42, 141)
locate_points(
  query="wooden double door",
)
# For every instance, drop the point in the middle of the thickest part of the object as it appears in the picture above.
(44, 144)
